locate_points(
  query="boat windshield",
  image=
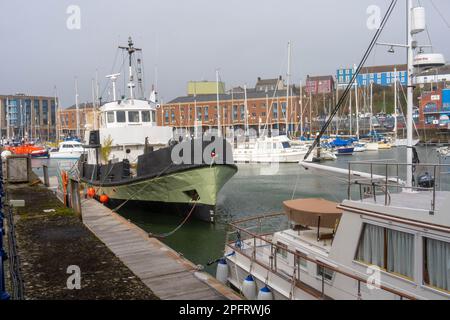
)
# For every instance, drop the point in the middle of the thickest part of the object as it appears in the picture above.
(286, 145)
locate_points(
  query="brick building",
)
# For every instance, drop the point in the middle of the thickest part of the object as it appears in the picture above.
(68, 119)
(319, 85)
(263, 106)
(32, 117)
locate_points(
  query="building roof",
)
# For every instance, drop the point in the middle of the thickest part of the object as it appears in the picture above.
(379, 69)
(268, 82)
(85, 105)
(251, 94)
(319, 78)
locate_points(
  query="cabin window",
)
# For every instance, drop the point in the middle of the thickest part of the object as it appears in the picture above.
(286, 145)
(133, 116)
(145, 116)
(325, 272)
(67, 146)
(121, 116)
(153, 115)
(300, 260)
(110, 116)
(436, 259)
(282, 250)
(388, 249)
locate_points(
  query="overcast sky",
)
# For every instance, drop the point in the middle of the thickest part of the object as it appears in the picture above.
(190, 39)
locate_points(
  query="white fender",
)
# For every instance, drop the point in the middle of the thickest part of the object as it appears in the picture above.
(249, 288)
(222, 271)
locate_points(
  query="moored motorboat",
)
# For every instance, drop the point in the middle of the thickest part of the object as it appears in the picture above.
(67, 150)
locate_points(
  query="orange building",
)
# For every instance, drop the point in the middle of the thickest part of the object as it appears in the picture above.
(68, 119)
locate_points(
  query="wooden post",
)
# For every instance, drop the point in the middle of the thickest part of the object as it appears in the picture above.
(75, 199)
(46, 179)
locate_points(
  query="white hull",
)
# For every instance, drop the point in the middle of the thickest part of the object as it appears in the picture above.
(404, 142)
(288, 157)
(65, 155)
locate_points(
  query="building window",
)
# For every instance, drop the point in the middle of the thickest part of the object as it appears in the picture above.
(436, 269)
(388, 249)
(37, 114)
(275, 110)
(166, 116)
(283, 109)
(206, 113)
(110, 116)
(53, 112)
(242, 112)
(133, 116)
(145, 116)
(235, 113)
(225, 112)
(45, 112)
(199, 114)
(121, 116)
(172, 116)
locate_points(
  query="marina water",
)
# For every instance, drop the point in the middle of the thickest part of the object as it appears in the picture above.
(250, 192)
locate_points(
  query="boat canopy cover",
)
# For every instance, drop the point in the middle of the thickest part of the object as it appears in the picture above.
(312, 212)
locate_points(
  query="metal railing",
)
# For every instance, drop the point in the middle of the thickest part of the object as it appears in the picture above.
(384, 178)
(247, 244)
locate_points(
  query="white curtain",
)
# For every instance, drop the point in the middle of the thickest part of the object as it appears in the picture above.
(438, 263)
(400, 257)
(371, 246)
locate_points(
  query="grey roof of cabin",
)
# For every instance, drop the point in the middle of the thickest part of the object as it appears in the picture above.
(251, 94)
(440, 71)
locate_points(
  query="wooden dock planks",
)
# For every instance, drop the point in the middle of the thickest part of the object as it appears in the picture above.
(163, 270)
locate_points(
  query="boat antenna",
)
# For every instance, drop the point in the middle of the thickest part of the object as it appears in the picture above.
(354, 77)
(130, 50)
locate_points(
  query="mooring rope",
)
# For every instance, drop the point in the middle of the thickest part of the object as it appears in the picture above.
(168, 234)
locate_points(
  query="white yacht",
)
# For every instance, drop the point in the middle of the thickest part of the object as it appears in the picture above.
(380, 245)
(67, 150)
(269, 150)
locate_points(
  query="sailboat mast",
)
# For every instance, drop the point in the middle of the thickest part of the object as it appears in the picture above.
(219, 127)
(356, 107)
(246, 110)
(371, 106)
(301, 109)
(395, 105)
(409, 118)
(77, 114)
(288, 80)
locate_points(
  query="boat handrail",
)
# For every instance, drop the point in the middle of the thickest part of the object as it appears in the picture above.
(385, 182)
(274, 248)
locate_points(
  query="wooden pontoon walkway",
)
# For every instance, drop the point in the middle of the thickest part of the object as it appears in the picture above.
(163, 270)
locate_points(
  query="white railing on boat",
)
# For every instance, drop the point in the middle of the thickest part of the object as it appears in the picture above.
(247, 243)
(380, 178)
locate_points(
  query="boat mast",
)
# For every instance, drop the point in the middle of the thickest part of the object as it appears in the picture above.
(356, 106)
(246, 110)
(395, 105)
(130, 49)
(371, 107)
(288, 80)
(219, 128)
(77, 109)
(301, 109)
(409, 118)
